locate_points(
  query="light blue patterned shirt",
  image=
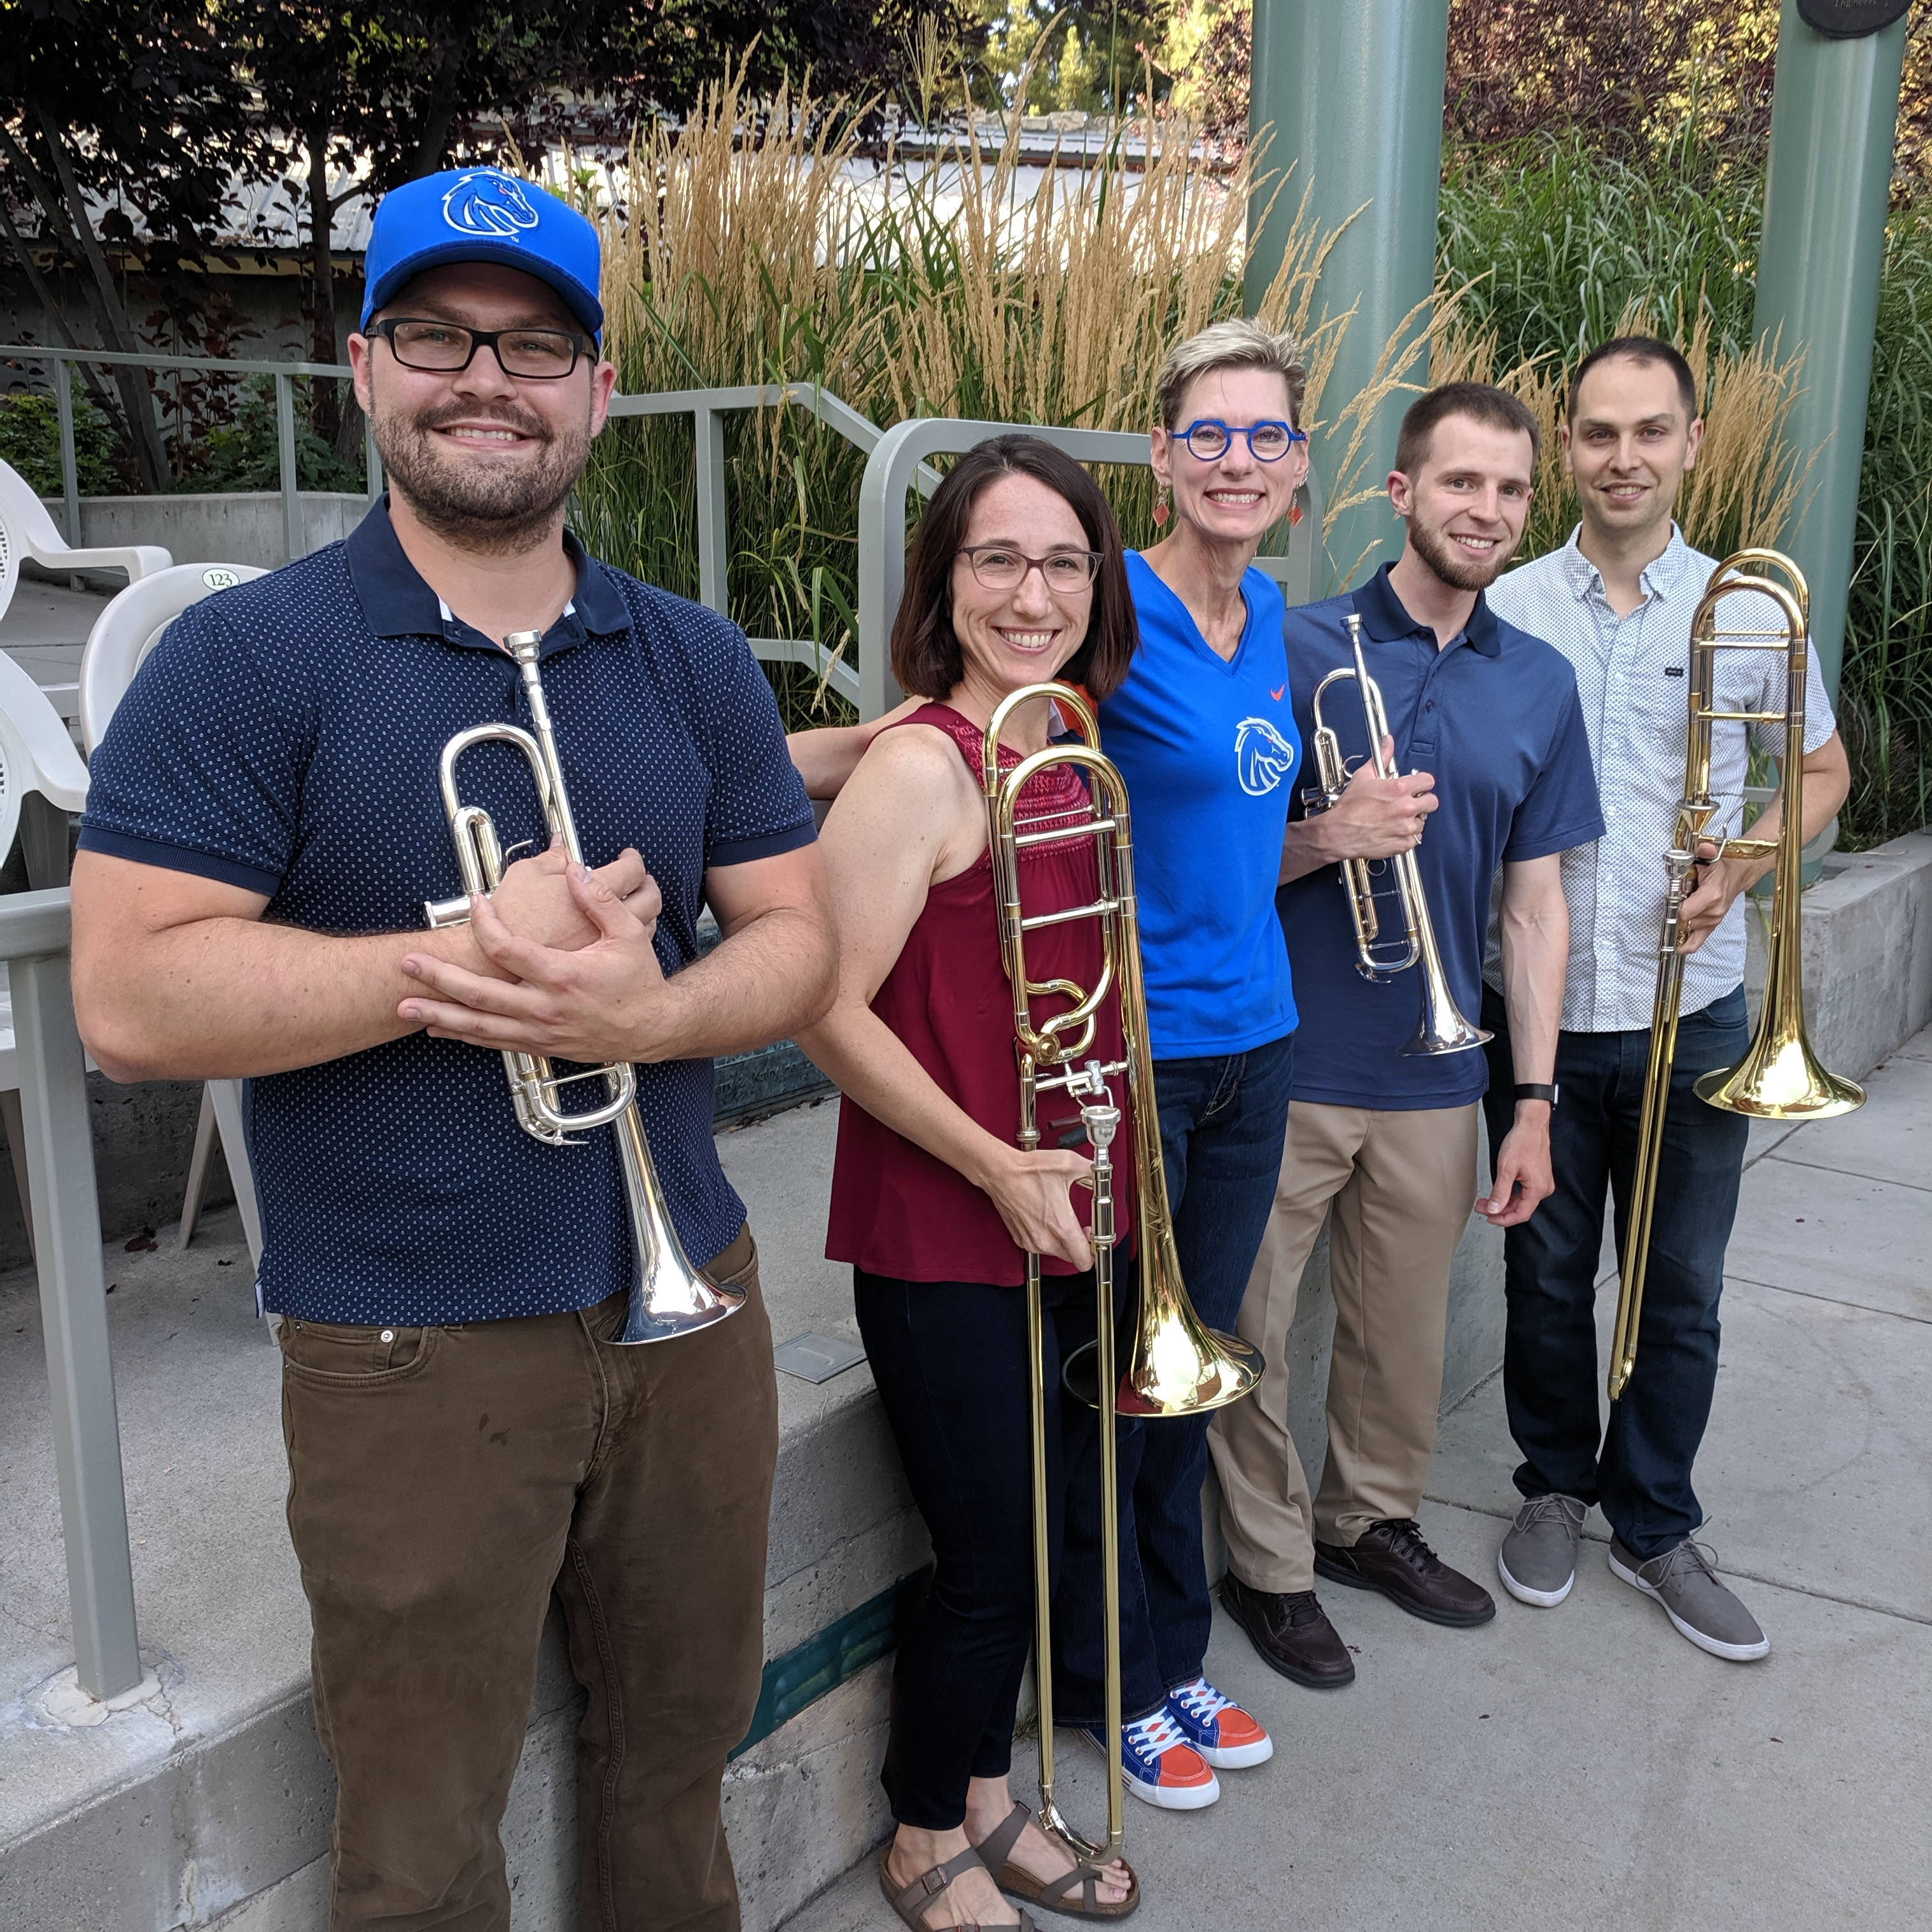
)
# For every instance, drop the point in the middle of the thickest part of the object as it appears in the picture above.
(1631, 675)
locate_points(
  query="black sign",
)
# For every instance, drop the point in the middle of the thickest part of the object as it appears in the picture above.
(1850, 19)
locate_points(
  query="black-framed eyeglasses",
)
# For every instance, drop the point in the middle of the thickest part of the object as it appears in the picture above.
(1209, 439)
(447, 348)
(1000, 567)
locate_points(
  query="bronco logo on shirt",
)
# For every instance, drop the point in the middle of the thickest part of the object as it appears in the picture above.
(1263, 757)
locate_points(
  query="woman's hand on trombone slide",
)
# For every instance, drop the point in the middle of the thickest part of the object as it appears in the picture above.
(1030, 1192)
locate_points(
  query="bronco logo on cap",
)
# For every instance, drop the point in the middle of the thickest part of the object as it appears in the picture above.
(488, 203)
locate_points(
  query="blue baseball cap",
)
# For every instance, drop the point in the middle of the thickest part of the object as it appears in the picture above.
(482, 214)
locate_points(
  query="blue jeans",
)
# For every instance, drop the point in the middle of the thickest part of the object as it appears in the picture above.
(1638, 1467)
(1223, 1120)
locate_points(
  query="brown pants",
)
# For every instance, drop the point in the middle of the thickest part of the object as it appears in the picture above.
(1401, 1186)
(442, 1482)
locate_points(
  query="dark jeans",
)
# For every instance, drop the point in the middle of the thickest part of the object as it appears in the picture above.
(1222, 1122)
(953, 1368)
(442, 1482)
(1638, 1467)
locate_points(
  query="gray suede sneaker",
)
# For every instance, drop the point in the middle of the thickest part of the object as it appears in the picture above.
(1684, 1581)
(1538, 1561)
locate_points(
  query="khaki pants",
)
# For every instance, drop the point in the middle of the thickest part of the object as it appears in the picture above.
(1401, 1186)
(442, 1482)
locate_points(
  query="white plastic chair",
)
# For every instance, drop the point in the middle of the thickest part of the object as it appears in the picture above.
(123, 633)
(27, 530)
(42, 779)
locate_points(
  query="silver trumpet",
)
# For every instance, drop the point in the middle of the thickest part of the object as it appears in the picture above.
(668, 1297)
(1441, 1029)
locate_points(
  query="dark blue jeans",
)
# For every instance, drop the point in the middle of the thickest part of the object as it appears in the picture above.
(953, 1370)
(1222, 1122)
(1638, 1467)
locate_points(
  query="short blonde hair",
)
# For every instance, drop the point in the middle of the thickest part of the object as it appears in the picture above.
(1242, 342)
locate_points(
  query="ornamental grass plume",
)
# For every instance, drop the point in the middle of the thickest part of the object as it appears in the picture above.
(1747, 482)
(768, 242)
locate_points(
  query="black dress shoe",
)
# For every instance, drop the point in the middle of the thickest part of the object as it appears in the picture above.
(1292, 1634)
(1392, 1557)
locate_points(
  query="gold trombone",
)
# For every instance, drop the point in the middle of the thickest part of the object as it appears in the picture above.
(1177, 1366)
(1442, 1028)
(1780, 1078)
(667, 1297)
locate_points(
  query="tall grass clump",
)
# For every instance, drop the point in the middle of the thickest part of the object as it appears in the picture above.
(758, 243)
(1551, 243)
(1885, 692)
(1747, 483)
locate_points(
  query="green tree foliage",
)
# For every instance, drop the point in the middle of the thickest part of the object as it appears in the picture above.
(1095, 56)
(30, 441)
(121, 125)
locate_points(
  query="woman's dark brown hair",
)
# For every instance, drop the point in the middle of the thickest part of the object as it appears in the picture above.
(926, 658)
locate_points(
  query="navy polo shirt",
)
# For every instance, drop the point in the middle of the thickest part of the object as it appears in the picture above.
(284, 737)
(1494, 716)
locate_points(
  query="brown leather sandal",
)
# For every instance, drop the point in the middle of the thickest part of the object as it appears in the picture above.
(1050, 1894)
(918, 1898)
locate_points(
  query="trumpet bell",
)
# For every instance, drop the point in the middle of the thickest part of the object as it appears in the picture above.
(663, 1310)
(1442, 1029)
(1780, 1078)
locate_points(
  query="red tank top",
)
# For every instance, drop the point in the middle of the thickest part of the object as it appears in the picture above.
(897, 1210)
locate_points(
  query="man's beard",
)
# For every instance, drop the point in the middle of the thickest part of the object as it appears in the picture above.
(1458, 571)
(481, 506)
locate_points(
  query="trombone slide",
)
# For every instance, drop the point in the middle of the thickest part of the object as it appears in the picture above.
(1779, 1077)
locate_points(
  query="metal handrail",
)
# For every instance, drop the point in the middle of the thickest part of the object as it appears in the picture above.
(708, 409)
(34, 929)
(284, 373)
(898, 463)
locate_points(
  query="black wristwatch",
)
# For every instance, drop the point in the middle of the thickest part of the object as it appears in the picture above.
(1534, 1089)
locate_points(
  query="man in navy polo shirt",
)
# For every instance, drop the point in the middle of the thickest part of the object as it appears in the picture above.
(1386, 1139)
(263, 826)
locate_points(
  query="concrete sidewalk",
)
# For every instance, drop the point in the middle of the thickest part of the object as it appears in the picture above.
(44, 629)
(1585, 1767)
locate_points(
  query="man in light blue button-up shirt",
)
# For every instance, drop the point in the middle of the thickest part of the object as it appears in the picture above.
(1617, 601)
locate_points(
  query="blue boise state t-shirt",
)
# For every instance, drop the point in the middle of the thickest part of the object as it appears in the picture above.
(1212, 757)
(1495, 717)
(284, 737)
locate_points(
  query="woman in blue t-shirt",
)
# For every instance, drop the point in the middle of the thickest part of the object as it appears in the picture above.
(1204, 730)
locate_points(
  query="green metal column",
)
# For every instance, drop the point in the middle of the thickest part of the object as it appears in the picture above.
(1352, 91)
(1832, 120)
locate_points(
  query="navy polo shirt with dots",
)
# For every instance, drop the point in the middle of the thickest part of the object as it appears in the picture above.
(1494, 715)
(284, 737)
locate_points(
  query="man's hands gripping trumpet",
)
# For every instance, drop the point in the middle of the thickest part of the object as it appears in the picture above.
(568, 966)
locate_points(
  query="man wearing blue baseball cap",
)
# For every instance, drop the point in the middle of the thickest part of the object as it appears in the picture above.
(264, 823)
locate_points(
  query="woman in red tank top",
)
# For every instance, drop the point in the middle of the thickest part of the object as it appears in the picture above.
(1016, 575)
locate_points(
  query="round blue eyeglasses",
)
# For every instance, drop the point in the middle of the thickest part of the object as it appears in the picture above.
(1208, 440)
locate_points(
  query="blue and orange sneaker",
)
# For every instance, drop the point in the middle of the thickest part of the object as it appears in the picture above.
(1159, 1766)
(1223, 1734)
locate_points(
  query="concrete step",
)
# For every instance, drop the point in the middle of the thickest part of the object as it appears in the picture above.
(210, 1804)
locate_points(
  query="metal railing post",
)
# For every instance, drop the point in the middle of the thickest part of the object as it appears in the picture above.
(713, 546)
(285, 442)
(33, 930)
(70, 461)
